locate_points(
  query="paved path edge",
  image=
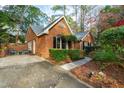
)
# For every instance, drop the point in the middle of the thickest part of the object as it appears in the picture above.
(81, 81)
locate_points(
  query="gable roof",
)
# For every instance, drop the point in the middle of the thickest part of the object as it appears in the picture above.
(81, 35)
(40, 30)
(37, 29)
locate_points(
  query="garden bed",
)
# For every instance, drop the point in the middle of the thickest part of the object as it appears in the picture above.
(54, 62)
(62, 56)
(111, 77)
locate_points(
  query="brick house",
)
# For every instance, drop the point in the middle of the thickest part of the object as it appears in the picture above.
(40, 39)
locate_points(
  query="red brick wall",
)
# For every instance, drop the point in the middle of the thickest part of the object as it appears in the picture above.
(54, 31)
(88, 38)
(30, 35)
(18, 47)
(77, 45)
(45, 42)
(41, 46)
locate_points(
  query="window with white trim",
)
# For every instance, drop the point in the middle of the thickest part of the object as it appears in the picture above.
(59, 42)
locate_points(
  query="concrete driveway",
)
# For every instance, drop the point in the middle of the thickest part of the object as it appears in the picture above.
(32, 71)
(19, 60)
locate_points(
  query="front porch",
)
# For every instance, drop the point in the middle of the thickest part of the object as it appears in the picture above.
(63, 42)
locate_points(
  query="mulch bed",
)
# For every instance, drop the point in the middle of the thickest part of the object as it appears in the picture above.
(111, 77)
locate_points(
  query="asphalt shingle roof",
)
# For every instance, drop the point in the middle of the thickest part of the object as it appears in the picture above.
(80, 35)
(39, 30)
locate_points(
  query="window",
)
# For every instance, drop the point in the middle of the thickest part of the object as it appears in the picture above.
(63, 44)
(69, 44)
(54, 42)
(59, 42)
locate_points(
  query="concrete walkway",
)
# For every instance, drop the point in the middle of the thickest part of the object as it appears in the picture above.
(75, 64)
(19, 60)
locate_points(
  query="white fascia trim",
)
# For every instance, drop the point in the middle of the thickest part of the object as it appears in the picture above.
(68, 26)
(85, 36)
(47, 30)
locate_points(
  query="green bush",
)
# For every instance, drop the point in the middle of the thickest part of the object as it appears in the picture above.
(58, 54)
(62, 54)
(74, 54)
(105, 55)
(112, 35)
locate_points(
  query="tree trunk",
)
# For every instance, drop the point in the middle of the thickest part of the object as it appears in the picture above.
(64, 10)
(17, 36)
(76, 26)
(81, 18)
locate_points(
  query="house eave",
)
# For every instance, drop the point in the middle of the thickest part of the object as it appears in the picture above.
(84, 36)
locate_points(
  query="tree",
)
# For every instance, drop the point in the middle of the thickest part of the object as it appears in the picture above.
(114, 38)
(22, 16)
(4, 36)
(75, 13)
(71, 23)
(84, 9)
(4, 20)
(60, 8)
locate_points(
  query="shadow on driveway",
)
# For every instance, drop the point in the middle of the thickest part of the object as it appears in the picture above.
(39, 75)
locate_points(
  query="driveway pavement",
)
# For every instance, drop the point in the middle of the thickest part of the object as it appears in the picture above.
(19, 60)
(32, 71)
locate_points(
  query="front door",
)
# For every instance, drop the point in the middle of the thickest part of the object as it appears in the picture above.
(30, 46)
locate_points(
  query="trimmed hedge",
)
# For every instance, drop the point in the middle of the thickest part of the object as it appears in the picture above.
(62, 54)
(74, 54)
(58, 55)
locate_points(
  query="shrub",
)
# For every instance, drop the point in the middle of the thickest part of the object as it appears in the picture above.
(62, 54)
(105, 55)
(74, 54)
(58, 54)
(112, 35)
